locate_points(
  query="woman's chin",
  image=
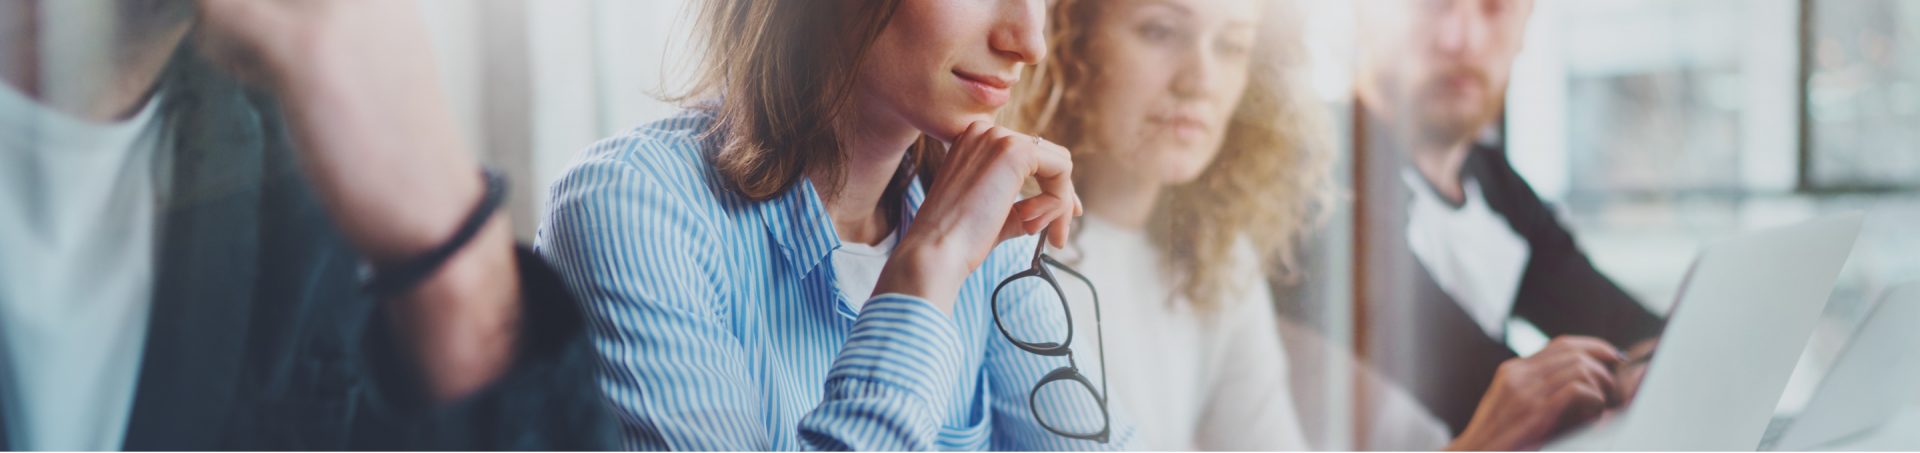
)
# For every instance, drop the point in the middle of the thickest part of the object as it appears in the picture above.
(1183, 166)
(1183, 170)
(950, 128)
(1175, 177)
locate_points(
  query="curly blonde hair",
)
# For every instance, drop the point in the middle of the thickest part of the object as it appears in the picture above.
(1270, 184)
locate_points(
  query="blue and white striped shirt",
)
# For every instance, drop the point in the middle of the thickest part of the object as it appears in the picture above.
(720, 327)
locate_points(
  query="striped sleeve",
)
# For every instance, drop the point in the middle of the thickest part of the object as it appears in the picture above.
(888, 388)
(648, 264)
(642, 262)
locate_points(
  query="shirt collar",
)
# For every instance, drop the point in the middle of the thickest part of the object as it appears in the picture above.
(1424, 192)
(798, 222)
(914, 195)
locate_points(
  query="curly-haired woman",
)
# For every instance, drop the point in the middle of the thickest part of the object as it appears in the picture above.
(1198, 153)
(1202, 159)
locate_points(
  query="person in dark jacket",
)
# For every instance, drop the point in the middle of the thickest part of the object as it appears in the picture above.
(309, 261)
(1455, 243)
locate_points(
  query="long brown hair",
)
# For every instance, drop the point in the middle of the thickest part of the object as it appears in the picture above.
(1270, 184)
(779, 76)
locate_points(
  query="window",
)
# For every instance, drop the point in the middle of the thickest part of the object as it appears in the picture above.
(1862, 99)
(1658, 126)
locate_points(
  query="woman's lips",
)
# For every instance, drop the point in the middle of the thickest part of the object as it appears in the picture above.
(1185, 127)
(992, 91)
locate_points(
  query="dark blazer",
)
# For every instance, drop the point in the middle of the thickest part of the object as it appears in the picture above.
(1417, 335)
(260, 339)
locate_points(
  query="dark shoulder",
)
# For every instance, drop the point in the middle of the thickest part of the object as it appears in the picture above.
(1509, 194)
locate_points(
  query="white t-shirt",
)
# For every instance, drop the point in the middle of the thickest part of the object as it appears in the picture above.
(1188, 379)
(1470, 251)
(78, 203)
(857, 267)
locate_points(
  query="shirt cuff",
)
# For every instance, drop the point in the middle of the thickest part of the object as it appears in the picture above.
(900, 344)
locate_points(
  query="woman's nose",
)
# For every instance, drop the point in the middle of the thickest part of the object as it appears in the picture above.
(1021, 33)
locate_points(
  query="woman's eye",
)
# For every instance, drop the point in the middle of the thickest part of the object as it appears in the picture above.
(1235, 48)
(1157, 32)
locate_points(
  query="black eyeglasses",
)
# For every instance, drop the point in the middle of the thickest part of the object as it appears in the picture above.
(1039, 281)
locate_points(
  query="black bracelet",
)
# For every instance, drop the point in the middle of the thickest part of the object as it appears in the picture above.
(408, 274)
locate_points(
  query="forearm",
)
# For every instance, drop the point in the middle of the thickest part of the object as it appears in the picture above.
(398, 194)
(463, 323)
(379, 143)
(893, 381)
(546, 399)
(1564, 294)
(928, 271)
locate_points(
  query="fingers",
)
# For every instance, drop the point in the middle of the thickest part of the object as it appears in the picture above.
(1579, 404)
(1569, 382)
(1627, 382)
(982, 177)
(1033, 215)
(1012, 229)
(970, 135)
(1598, 349)
(1058, 230)
(1586, 361)
(1053, 169)
(1578, 380)
(1048, 164)
(1587, 373)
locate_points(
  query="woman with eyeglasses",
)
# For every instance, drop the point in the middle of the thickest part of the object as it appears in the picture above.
(804, 257)
(1203, 159)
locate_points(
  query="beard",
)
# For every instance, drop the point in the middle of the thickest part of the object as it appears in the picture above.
(1445, 115)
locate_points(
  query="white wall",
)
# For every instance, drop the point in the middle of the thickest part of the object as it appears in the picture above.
(535, 82)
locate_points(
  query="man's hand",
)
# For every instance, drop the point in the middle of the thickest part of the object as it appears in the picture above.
(378, 142)
(365, 103)
(1633, 370)
(1568, 383)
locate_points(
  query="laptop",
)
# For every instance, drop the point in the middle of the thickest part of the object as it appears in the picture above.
(1869, 382)
(1743, 315)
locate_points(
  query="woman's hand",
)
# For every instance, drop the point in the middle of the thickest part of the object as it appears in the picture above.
(974, 204)
(379, 144)
(1568, 383)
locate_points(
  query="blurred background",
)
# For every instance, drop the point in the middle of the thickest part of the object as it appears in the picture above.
(1659, 126)
(1653, 127)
